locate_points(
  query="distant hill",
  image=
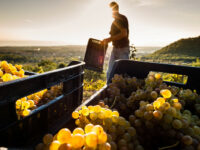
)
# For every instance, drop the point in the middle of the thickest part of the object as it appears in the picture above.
(189, 47)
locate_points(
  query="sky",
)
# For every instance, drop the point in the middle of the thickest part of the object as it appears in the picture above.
(151, 22)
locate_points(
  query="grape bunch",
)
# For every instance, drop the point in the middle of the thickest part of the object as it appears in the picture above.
(9, 72)
(25, 105)
(89, 138)
(163, 116)
(121, 135)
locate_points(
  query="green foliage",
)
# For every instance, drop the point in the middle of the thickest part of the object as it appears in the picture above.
(133, 51)
(61, 65)
(93, 75)
(93, 85)
(189, 47)
(47, 65)
(196, 63)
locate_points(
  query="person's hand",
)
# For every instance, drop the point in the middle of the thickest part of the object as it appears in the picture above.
(105, 41)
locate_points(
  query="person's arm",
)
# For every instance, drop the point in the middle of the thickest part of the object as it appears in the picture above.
(123, 33)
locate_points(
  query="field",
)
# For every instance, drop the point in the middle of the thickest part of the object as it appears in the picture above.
(45, 58)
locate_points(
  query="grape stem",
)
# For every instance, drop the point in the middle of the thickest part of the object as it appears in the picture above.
(170, 146)
(113, 103)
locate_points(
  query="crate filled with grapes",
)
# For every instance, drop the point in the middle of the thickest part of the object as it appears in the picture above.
(33, 104)
(138, 111)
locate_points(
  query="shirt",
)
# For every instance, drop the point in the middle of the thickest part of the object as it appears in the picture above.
(120, 22)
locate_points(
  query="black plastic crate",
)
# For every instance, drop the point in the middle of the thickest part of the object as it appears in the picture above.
(95, 54)
(49, 117)
(141, 70)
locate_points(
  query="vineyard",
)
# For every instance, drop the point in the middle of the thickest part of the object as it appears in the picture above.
(135, 114)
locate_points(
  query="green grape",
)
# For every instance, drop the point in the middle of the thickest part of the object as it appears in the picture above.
(113, 145)
(120, 130)
(121, 121)
(112, 129)
(131, 131)
(137, 122)
(154, 94)
(47, 139)
(149, 107)
(149, 124)
(132, 118)
(122, 142)
(108, 122)
(187, 140)
(167, 118)
(148, 115)
(196, 130)
(139, 147)
(127, 137)
(177, 124)
(139, 113)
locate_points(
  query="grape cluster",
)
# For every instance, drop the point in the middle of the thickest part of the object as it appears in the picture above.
(24, 105)
(9, 72)
(121, 135)
(31, 102)
(89, 138)
(163, 116)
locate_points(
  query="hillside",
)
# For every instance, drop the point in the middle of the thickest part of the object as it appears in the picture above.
(189, 47)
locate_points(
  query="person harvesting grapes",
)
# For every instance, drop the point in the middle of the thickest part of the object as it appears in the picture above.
(119, 33)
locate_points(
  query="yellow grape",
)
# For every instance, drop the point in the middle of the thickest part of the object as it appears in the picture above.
(1, 73)
(77, 122)
(166, 93)
(85, 112)
(93, 116)
(55, 137)
(105, 146)
(26, 112)
(156, 104)
(31, 102)
(157, 76)
(102, 138)
(91, 139)
(166, 105)
(97, 108)
(175, 100)
(114, 118)
(64, 135)
(88, 128)
(54, 145)
(108, 113)
(65, 146)
(84, 107)
(177, 105)
(78, 131)
(19, 102)
(161, 100)
(97, 129)
(157, 114)
(101, 115)
(75, 114)
(91, 108)
(116, 113)
(26, 104)
(47, 139)
(77, 141)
